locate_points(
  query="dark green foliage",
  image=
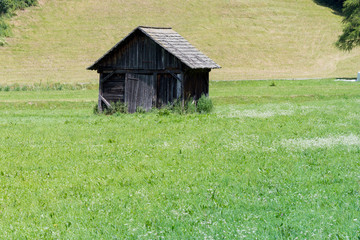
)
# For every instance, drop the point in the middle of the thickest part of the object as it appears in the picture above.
(164, 111)
(204, 104)
(350, 9)
(350, 37)
(118, 107)
(7, 8)
(190, 107)
(96, 109)
(140, 109)
(334, 4)
(4, 31)
(177, 107)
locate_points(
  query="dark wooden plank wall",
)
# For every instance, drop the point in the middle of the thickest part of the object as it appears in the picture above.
(139, 91)
(113, 88)
(141, 52)
(196, 82)
(167, 89)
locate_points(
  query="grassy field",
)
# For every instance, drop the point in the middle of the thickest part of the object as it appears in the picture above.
(270, 162)
(250, 39)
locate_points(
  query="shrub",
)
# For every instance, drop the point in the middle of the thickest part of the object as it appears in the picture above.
(164, 111)
(204, 104)
(6, 88)
(4, 28)
(190, 106)
(116, 107)
(121, 107)
(140, 109)
(8, 6)
(177, 107)
(16, 87)
(96, 109)
(58, 86)
(5, 6)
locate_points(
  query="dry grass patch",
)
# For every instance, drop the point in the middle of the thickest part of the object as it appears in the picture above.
(251, 39)
(322, 142)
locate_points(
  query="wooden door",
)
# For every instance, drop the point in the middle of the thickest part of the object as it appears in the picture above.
(168, 89)
(139, 91)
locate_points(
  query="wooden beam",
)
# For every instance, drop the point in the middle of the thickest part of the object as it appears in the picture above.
(105, 101)
(108, 76)
(174, 75)
(139, 71)
(182, 90)
(100, 109)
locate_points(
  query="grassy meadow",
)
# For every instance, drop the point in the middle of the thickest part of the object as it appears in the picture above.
(270, 162)
(250, 39)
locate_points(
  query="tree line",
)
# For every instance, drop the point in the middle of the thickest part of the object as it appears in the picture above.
(334, 4)
(350, 37)
(7, 8)
(350, 10)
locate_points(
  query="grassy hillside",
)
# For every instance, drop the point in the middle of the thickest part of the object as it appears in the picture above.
(251, 39)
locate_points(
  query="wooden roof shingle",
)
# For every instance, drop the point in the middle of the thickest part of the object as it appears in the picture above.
(172, 42)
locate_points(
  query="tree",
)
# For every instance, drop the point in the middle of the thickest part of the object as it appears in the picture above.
(350, 37)
(334, 4)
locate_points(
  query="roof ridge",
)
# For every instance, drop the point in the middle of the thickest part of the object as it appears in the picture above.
(154, 27)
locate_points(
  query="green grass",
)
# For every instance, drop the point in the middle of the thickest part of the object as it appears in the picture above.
(270, 162)
(244, 92)
(250, 39)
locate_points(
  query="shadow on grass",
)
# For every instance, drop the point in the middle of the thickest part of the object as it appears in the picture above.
(335, 5)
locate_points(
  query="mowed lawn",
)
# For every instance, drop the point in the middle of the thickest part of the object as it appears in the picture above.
(269, 162)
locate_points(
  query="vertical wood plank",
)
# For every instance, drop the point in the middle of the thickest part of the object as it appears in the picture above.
(171, 87)
(154, 89)
(137, 53)
(140, 46)
(100, 109)
(162, 58)
(126, 92)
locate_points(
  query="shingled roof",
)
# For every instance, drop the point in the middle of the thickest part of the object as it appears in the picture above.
(174, 43)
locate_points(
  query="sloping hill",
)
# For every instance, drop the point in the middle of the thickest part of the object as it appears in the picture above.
(250, 39)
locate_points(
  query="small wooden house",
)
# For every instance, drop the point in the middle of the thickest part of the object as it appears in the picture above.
(152, 67)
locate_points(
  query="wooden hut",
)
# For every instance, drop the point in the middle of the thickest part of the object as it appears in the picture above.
(152, 67)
